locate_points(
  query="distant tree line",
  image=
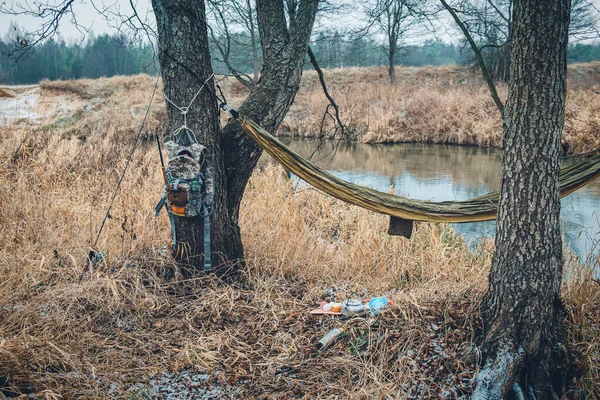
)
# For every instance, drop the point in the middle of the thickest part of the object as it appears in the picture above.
(584, 52)
(110, 55)
(103, 55)
(336, 51)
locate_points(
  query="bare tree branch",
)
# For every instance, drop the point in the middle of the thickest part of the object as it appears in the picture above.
(51, 17)
(332, 103)
(232, 12)
(225, 51)
(500, 13)
(480, 60)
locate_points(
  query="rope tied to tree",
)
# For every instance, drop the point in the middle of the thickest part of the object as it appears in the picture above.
(184, 110)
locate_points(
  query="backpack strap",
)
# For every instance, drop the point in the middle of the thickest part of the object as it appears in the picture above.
(190, 138)
(207, 256)
(173, 231)
(161, 203)
(206, 220)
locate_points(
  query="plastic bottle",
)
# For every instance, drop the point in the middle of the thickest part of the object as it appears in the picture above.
(329, 338)
(378, 304)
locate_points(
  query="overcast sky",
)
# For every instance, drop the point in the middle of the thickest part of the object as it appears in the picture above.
(88, 17)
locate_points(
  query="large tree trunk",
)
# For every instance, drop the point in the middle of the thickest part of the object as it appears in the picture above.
(284, 49)
(185, 63)
(522, 311)
(183, 50)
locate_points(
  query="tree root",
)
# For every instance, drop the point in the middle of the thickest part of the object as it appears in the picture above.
(497, 375)
(518, 391)
(509, 373)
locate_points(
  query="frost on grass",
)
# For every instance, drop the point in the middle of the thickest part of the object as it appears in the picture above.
(192, 383)
(19, 107)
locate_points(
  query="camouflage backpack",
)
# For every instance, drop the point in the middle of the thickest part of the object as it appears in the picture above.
(185, 192)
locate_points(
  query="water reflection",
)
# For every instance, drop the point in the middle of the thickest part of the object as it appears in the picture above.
(438, 172)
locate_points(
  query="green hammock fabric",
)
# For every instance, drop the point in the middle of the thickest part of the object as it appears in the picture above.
(481, 208)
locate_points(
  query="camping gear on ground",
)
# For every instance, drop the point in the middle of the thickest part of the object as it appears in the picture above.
(328, 339)
(378, 304)
(353, 307)
(325, 308)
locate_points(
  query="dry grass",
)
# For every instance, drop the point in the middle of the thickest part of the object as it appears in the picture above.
(4, 92)
(99, 334)
(448, 104)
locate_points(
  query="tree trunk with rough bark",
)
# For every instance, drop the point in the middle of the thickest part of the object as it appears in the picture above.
(523, 317)
(284, 48)
(185, 63)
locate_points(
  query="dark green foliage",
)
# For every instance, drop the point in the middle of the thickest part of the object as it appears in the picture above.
(334, 50)
(584, 52)
(103, 55)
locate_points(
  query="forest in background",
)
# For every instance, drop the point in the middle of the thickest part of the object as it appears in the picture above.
(111, 55)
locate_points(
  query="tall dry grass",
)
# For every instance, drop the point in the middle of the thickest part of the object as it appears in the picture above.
(449, 104)
(104, 331)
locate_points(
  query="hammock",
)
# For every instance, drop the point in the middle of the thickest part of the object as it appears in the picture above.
(402, 209)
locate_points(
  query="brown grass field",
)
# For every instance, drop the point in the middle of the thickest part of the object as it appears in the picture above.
(132, 321)
(434, 105)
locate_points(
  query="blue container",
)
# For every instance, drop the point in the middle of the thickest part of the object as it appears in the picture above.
(378, 304)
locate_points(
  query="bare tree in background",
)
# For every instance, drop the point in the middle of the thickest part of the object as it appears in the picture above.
(51, 17)
(489, 23)
(235, 14)
(230, 20)
(394, 19)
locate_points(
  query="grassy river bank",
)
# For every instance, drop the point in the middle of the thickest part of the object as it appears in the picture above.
(134, 327)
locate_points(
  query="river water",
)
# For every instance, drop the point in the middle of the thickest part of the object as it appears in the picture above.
(441, 172)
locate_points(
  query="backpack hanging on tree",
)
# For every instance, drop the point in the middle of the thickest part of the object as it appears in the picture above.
(185, 191)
